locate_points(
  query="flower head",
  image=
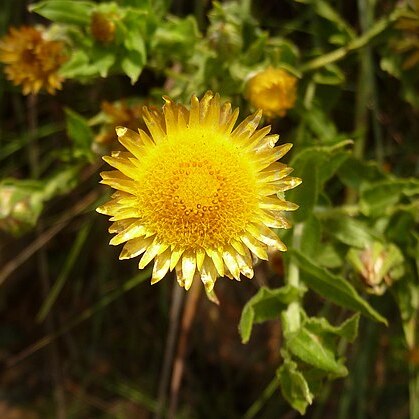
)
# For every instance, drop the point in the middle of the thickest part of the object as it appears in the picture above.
(32, 61)
(273, 90)
(197, 195)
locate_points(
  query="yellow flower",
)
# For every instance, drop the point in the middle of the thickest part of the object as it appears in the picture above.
(273, 90)
(32, 61)
(197, 195)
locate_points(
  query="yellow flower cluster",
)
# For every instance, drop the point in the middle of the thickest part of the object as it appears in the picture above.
(32, 61)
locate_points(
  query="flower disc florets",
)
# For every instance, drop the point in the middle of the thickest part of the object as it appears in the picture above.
(196, 195)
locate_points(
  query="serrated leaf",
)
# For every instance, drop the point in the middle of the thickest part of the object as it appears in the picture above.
(313, 342)
(65, 11)
(265, 305)
(333, 287)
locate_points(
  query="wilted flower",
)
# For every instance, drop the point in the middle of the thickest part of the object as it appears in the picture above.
(197, 195)
(102, 27)
(31, 60)
(378, 266)
(273, 90)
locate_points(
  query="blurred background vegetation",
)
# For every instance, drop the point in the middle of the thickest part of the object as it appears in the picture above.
(83, 335)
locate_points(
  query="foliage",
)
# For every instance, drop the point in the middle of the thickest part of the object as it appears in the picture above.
(351, 272)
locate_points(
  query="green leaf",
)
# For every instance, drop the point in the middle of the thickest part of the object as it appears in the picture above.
(354, 172)
(307, 194)
(265, 305)
(330, 75)
(348, 329)
(350, 231)
(378, 198)
(315, 165)
(333, 287)
(79, 132)
(65, 11)
(294, 386)
(132, 64)
(310, 236)
(313, 342)
(78, 66)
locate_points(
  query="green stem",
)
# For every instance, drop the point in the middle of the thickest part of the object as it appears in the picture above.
(257, 406)
(414, 392)
(353, 45)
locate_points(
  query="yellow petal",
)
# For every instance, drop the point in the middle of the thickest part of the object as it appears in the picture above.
(275, 171)
(200, 256)
(118, 181)
(246, 128)
(135, 230)
(204, 105)
(135, 247)
(119, 226)
(131, 141)
(267, 236)
(238, 246)
(266, 158)
(229, 257)
(194, 112)
(231, 121)
(212, 117)
(217, 259)
(245, 264)
(288, 183)
(152, 251)
(188, 268)
(276, 204)
(255, 246)
(208, 274)
(274, 220)
(153, 122)
(161, 266)
(175, 256)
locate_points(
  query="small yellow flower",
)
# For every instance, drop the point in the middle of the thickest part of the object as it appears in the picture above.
(102, 27)
(197, 195)
(32, 61)
(273, 90)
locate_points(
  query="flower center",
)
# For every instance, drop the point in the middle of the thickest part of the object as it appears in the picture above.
(197, 189)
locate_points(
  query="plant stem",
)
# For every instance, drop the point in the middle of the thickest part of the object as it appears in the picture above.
(257, 406)
(175, 310)
(353, 45)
